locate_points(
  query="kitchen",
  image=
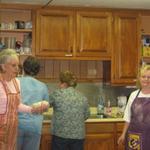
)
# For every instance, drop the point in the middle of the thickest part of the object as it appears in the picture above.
(89, 41)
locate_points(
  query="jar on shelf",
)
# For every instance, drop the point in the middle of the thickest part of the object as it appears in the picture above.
(27, 41)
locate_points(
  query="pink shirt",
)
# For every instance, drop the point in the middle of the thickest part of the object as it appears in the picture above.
(3, 98)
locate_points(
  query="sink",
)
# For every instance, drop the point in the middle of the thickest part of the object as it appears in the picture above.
(96, 116)
(92, 116)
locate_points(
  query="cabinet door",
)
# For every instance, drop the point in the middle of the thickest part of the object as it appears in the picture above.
(120, 146)
(125, 56)
(45, 142)
(99, 142)
(54, 33)
(119, 128)
(94, 34)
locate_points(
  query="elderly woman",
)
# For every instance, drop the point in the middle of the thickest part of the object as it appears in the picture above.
(10, 99)
(136, 132)
(71, 109)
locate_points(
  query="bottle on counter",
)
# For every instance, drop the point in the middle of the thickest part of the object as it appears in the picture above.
(122, 101)
(108, 108)
(100, 107)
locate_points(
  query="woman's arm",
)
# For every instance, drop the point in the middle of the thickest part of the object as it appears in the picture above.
(122, 137)
(24, 108)
(40, 108)
(87, 110)
(127, 116)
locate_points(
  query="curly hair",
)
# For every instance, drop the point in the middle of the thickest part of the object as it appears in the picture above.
(31, 66)
(69, 78)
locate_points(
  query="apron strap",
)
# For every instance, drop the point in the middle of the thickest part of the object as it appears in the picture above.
(138, 93)
(16, 86)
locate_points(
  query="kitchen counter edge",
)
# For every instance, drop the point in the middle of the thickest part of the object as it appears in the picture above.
(98, 120)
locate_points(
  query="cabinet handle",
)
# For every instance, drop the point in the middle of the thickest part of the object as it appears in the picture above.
(69, 55)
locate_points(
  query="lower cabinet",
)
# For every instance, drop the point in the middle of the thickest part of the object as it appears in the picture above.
(99, 136)
(120, 146)
(119, 127)
(99, 142)
(46, 142)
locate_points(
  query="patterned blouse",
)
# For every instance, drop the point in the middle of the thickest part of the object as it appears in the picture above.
(71, 109)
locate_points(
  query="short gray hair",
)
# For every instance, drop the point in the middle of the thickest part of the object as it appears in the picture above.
(6, 54)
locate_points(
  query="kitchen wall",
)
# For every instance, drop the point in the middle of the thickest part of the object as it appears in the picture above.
(93, 90)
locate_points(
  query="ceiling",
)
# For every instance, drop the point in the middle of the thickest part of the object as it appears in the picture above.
(140, 4)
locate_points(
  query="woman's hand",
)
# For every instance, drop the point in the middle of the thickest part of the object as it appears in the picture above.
(121, 139)
(40, 107)
(44, 106)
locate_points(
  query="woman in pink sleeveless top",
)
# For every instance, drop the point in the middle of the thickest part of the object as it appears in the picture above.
(10, 100)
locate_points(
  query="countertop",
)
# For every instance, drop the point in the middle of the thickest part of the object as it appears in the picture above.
(93, 117)
(105, 120)
(96, 120)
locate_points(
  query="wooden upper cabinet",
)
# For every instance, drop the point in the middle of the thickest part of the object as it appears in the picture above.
(94, 34)
(54, 33)
(126, 50)
(73, 34)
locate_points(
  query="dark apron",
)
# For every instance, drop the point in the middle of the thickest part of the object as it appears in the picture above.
(138, 134)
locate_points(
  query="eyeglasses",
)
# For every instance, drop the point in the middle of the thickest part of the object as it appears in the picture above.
(145, 77)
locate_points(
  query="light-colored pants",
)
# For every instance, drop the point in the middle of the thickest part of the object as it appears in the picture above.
(28, 140)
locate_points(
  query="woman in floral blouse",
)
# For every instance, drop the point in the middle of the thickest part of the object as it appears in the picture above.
(71, 109)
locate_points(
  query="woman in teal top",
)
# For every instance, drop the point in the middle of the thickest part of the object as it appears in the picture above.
(71, 109)
(32, 91)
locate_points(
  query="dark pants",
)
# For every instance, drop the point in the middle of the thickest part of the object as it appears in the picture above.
(59, 143)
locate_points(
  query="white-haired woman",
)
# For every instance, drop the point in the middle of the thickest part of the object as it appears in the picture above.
(10, 99)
